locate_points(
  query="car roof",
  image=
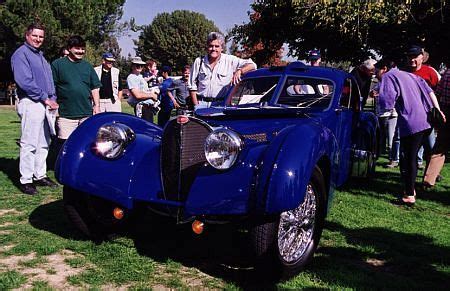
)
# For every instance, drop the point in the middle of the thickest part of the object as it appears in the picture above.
(299, 69)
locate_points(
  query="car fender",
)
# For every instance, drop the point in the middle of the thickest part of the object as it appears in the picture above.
(121, 180)
(288, 164)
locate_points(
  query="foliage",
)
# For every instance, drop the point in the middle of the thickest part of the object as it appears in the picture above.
(346, 30)
(95, 20)
(175, 39)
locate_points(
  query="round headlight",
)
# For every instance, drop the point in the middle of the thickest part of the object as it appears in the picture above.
(222, 148)
(112, 138)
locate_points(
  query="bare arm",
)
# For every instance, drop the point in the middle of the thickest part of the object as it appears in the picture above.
(175, 103)
(120, 95)
(436, 104)
(193, 95)
(241, 71)
(138, 94)
(96, 99)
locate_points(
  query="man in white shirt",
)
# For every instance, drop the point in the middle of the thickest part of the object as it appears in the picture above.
(211, 74)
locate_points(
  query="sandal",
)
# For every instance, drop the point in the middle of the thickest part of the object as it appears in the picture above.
(408, 200)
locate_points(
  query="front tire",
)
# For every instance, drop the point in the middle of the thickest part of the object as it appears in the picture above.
(290, 240)
(91, 215)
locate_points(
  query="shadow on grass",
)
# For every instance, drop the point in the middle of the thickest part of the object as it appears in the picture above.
(387, 182)
(10, 167)
(401, 260)
(371, 257)
(51, 217)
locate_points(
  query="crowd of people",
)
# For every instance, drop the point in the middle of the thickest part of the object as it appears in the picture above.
(76, 90)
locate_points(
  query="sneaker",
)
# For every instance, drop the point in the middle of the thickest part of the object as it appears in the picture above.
(28, 188)
(392, 164)
(46, 182)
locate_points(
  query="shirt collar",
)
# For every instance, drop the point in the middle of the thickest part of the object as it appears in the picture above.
(33, 49)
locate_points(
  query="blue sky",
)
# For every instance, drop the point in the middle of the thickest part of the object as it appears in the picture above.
(225, 14)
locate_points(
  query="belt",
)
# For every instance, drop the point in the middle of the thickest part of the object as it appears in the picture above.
(206, 99)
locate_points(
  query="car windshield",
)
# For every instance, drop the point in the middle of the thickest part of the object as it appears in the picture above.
(306, 92)
(253, 91)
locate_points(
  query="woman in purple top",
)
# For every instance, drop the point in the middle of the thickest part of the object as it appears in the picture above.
(412, 98)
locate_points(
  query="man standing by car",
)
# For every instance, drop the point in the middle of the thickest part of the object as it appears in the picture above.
(36, 91)
(111, 90)
(77, 86)
(211, 74)
(363, 75)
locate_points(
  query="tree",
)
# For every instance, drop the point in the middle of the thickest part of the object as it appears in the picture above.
(175, 39)
(95, 20)
(346, 30)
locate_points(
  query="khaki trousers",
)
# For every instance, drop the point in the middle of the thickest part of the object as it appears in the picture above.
(66, 126)
(441, 147)
(107, 106)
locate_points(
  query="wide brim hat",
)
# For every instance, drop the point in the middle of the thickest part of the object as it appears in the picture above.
(137, 61)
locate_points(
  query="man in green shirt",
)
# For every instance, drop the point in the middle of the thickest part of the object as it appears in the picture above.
(77, 87)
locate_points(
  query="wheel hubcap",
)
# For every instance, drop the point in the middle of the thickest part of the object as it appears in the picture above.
(295, 231)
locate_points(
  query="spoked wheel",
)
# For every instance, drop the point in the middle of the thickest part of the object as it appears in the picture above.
(92, 215)
(290, 240)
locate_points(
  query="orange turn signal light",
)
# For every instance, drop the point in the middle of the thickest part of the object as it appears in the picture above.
(198, 227)
(118, 213)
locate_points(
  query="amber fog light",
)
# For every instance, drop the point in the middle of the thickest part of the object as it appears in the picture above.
(118, 213)
(198, 227)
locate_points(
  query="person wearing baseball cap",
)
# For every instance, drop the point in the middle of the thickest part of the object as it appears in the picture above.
(415, 56)
(314, 58)
(111, 90)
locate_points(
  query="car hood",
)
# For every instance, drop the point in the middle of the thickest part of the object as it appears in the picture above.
(256, 124)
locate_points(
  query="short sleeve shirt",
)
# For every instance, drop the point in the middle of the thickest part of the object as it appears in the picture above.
(180, 88)
(212, 82)
(74, 82)
(136, 82)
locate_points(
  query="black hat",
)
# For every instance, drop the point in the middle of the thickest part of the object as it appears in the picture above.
(167, 69)
(414, 50)
(314, 55)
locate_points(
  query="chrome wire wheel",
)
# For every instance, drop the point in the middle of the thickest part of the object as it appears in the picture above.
(296, 228)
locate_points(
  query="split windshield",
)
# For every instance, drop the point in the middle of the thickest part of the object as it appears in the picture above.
(297, 91)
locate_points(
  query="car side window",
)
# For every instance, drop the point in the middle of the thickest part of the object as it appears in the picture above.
(350, 96)
(306, 92)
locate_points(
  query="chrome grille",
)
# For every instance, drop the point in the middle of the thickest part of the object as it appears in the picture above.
(182, 154)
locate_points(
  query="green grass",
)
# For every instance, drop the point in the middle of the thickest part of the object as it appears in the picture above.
(368, 243)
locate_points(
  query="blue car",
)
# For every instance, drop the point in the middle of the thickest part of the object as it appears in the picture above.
(268, 157)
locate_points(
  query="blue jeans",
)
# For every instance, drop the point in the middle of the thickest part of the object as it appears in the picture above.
(427, 146)
(390, 139)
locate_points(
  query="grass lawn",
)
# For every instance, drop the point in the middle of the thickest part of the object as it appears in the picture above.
(368, 243)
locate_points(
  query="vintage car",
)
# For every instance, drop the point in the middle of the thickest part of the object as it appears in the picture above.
(268, 157)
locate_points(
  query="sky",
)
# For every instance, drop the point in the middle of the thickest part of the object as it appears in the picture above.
(225, 14)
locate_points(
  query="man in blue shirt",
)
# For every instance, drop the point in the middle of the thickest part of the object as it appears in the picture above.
(168, 102)
(36, 91)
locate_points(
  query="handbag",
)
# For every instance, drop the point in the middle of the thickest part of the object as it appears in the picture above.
(435, 117)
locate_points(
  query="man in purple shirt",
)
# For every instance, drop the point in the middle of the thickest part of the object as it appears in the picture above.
(36, 91)
(412, 98)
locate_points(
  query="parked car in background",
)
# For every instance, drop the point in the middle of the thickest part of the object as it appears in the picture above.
(268, 157)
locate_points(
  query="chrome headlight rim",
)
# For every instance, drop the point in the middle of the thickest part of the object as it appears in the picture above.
(236, 143)
(112, 139)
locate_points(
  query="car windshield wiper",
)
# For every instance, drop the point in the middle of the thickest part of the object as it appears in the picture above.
(312, 101)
